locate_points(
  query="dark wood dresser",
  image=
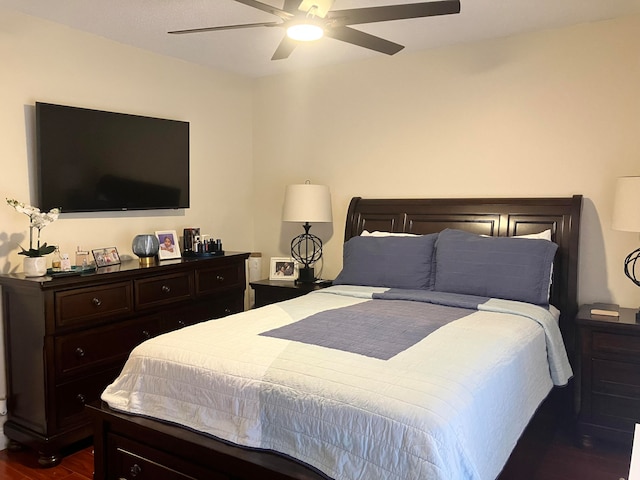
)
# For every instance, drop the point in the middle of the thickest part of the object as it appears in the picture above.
(608, 376)
(66, 338)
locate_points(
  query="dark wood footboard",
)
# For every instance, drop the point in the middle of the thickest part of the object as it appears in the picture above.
(136, 448)
(130, 447)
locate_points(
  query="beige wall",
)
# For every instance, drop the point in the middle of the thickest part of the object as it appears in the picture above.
(545, 114)
(41, 61)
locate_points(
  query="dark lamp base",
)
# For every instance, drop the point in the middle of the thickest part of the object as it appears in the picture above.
(305, 275)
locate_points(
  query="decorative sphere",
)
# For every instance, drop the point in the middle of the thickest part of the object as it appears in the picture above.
(145, 246)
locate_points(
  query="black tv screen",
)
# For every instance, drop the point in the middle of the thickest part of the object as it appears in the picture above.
(92, 160)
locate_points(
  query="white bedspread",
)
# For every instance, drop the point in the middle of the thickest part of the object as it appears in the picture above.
(450, 407)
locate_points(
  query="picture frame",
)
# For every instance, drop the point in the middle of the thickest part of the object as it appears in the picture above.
(169, 247)
(105, 257)
(283, 268)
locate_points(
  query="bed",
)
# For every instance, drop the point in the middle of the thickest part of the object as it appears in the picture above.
(427, 362)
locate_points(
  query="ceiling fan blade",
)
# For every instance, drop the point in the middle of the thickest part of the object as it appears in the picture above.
(356, 16)
(284, 49)
(356, 37)
(267, 8)
(226, 27)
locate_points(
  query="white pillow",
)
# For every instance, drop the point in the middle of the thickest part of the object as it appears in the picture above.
(546, 235)
(377, 233)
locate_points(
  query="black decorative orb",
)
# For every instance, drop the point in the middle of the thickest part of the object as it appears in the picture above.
(630, 266)
(146, 247)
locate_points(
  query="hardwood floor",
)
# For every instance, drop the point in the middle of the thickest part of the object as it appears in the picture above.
(23, 465)
(562, 460)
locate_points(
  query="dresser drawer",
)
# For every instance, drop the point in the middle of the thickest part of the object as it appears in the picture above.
(604, 342)
(211, 280)
(129, 460)
(164, 290)
(84, 351)
(71, 397)
(86, 305)
(228, 304)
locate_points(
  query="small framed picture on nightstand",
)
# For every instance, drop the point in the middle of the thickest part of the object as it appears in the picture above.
(283, 268)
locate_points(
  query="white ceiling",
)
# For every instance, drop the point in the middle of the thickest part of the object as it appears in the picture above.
(144, 23)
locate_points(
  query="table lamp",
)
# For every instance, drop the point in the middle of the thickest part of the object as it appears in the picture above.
(307, 204)
(626, 217)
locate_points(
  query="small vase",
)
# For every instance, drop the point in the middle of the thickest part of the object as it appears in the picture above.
(35, 266)
(146, 247)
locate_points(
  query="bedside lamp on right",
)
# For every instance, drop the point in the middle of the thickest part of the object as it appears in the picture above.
(626, 216)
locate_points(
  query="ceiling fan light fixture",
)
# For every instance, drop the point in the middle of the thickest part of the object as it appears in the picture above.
(305, 32)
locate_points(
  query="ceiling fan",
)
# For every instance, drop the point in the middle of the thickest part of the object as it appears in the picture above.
(307, 20)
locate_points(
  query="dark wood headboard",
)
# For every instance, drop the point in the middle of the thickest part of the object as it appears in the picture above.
(487, 216)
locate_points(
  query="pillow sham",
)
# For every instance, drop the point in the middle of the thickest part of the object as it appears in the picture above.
(388, 261)
(512, 268)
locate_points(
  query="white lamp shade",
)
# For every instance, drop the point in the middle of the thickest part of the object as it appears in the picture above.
(626, 204)
(307, 203)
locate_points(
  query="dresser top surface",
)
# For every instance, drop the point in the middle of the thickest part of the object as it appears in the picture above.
(125, 268)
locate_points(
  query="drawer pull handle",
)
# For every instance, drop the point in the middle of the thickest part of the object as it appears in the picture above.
(220, 278)
(166, 289)
(81, 398)
(80, 352)
(135, 470)
(96, 301)
(146, 334)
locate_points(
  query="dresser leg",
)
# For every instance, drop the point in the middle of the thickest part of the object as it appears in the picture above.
(48, 460)
(586, 441)
(14, 446)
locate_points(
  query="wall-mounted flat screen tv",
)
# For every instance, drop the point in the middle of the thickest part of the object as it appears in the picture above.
(92, 160)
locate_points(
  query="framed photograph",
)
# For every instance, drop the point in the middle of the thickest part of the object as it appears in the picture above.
(106, 257)
(283, 268)
(169, 247)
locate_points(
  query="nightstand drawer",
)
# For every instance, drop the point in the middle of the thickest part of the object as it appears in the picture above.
(617, 344)
(151, 292)
(619, 407)
(617, 378)
(83, 306)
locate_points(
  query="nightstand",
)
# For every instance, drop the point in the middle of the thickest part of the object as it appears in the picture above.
(272, 291)
(608, 376)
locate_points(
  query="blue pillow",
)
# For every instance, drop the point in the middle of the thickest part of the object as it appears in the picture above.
(394, 262)
(511, 268)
